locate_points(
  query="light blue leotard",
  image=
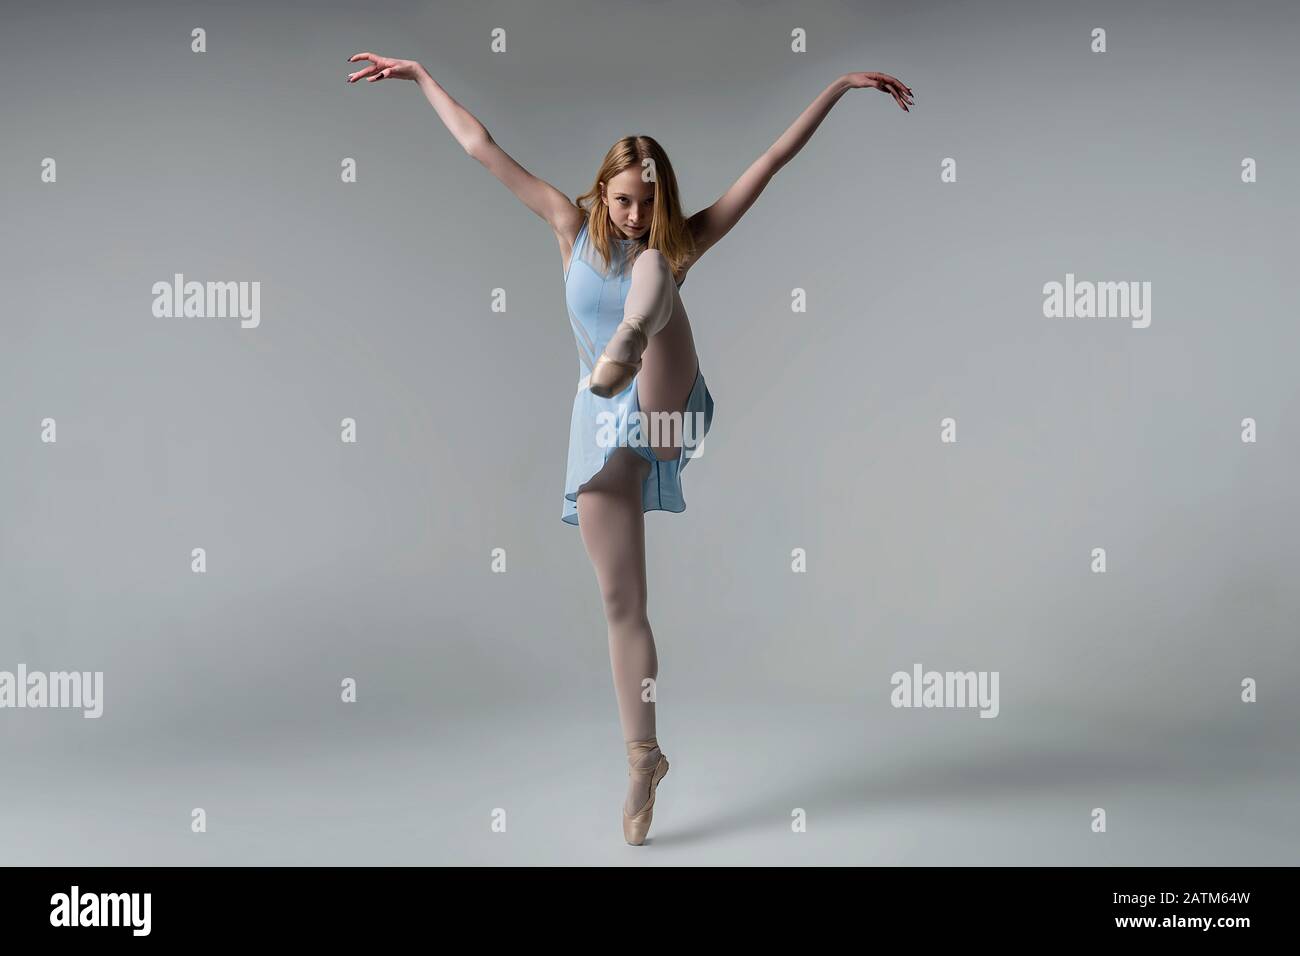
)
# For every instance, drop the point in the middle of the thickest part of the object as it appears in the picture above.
(595, 298)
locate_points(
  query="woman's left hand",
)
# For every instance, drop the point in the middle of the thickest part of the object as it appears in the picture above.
(895, 87)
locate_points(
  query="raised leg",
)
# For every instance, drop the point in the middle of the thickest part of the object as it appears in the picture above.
(669, 364)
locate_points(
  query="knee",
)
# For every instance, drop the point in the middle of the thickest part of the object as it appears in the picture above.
(624, 604)
(652, 260)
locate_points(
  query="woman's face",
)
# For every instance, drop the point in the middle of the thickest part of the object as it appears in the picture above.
(631, 202)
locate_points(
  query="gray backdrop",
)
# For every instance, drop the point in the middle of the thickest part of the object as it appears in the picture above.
(481, 690)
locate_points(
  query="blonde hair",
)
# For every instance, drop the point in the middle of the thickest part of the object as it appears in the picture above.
(669, 232)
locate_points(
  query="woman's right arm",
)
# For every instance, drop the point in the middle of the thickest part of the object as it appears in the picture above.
(538, 195)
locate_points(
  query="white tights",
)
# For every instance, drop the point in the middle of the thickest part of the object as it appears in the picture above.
(612, 525)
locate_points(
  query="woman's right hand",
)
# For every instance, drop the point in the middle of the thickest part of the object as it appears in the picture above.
(383, 67)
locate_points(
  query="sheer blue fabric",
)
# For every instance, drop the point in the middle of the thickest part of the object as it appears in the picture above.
(594, 296)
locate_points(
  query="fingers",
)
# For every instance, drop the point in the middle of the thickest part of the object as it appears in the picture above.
(382, 74)
(901, 94)
(895, 80)
(898, 89)
(353, 77)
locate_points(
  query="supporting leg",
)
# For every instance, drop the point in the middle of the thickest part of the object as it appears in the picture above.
(613, 530)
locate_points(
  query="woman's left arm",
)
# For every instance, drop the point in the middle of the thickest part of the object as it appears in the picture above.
(711, 224)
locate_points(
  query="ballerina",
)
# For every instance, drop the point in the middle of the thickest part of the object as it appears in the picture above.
(626, 247)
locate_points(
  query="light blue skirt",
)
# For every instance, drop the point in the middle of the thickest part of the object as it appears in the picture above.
(600, 425)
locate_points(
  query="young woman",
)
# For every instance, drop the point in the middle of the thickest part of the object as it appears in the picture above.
(627, 247)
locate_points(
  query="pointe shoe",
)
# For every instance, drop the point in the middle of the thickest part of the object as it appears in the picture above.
(637, 825)
(610, 376)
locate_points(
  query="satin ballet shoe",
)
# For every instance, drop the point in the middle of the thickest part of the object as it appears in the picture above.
(610, 376)
(637, 825)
